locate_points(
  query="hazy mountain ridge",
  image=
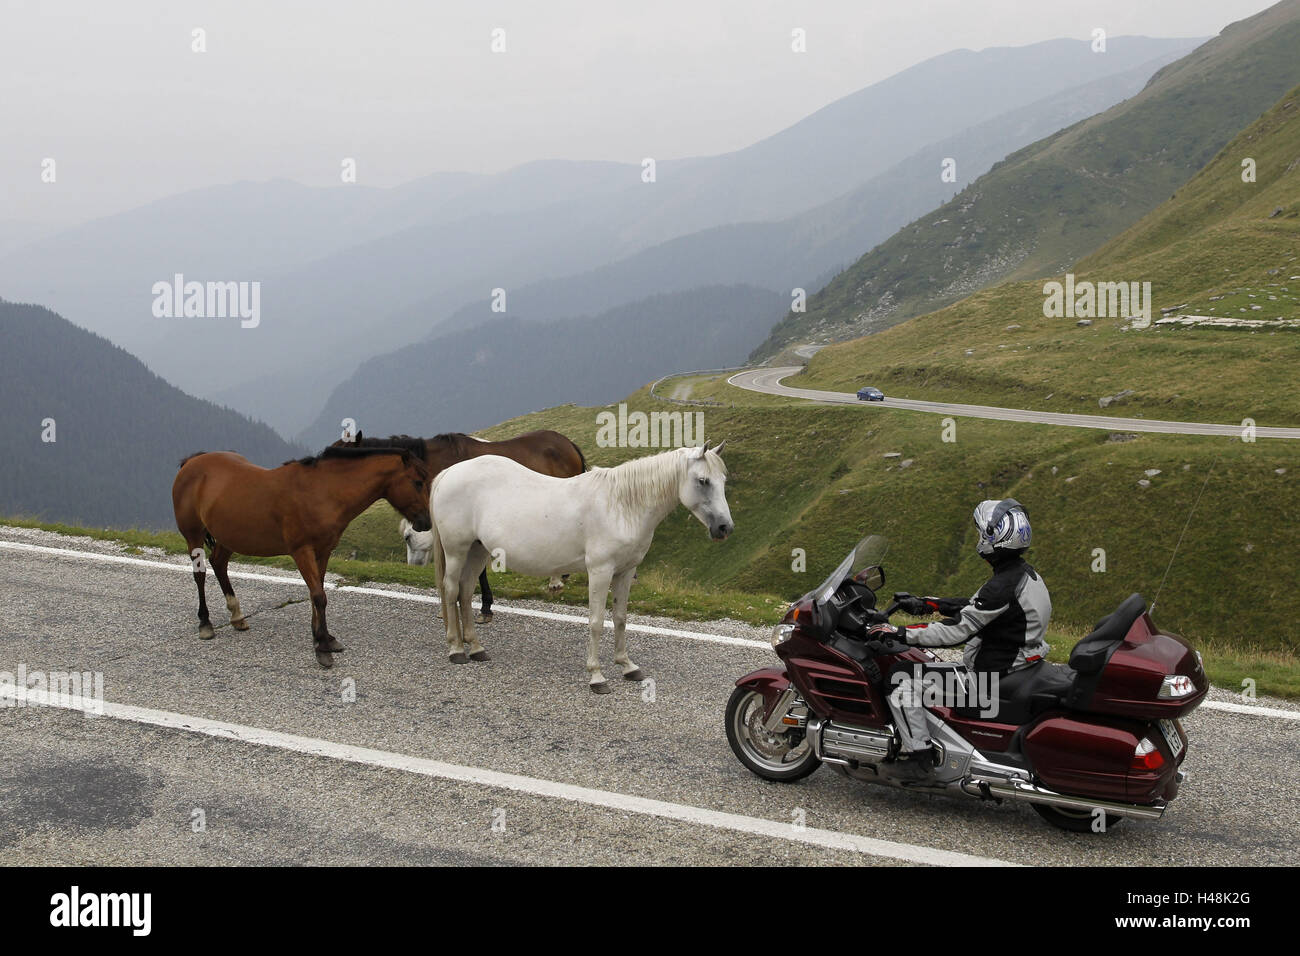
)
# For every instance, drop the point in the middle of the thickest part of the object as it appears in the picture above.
(1046, 205)
(469, 379)
(800, 251)
(351, 272)
(119, 429)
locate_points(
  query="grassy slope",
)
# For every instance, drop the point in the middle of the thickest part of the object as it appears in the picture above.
(815, 478)
(1048, 204)
(1218, 237)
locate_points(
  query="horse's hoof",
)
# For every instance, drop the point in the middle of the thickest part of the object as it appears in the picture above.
(483, 618)
(334, 645)
(458, 659)
(601, 688)
(239, 624)
(206, 632)
(480, 656)
(637, 674)
(324, 658)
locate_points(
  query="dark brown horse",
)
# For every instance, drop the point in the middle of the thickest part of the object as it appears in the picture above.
(543, 451)
(299, 509)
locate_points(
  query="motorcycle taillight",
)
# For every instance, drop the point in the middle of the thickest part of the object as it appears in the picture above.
(1147, 756)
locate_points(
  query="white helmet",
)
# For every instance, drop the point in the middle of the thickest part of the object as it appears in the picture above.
(1003, 526)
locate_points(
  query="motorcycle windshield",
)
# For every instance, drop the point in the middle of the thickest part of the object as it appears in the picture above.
(868, 552)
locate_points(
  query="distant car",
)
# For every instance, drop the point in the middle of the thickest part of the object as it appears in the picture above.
(869, 394)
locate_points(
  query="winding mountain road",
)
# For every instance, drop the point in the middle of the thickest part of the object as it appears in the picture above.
(768, 381)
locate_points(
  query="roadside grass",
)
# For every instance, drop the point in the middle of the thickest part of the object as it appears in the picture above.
(806, 481)
(663, 593)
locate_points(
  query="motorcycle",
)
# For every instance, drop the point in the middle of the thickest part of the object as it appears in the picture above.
(1085, 744)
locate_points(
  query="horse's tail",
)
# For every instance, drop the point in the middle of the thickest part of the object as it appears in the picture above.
(439, 564)
(581, 457)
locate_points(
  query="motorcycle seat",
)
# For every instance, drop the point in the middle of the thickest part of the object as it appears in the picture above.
(1024, 694)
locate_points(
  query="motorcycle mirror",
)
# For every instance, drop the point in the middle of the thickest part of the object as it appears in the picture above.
(872, 577)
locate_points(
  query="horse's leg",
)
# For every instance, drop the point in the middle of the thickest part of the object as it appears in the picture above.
(194, 540)
(622, 588)
(305, 558)
(477, 558)
(451, 604)
(485, 614)
(597, 592)
(220, 559)
(322, 563)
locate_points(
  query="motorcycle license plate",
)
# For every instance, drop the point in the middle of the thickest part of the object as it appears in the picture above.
(1170, 730)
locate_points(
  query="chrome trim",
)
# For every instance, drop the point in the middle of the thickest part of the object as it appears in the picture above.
(856, 743)
(815, 741)
(782, 707)
(1030, 793)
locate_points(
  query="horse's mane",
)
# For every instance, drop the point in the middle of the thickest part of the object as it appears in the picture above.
(404, 442)
(411, 449)
(641, 482)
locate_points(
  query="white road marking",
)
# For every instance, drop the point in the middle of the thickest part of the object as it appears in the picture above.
(534, 786)
(295, 581)
(1251, 709)
(1225, 706)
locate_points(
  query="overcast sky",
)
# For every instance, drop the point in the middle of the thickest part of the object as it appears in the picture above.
(287, 88)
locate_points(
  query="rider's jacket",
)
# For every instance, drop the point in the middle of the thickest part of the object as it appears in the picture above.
(1004, 625)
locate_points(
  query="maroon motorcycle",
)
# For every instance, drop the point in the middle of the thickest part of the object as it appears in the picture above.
(1085, 744)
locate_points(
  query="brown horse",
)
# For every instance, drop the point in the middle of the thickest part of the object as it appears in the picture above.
(299, 509)
(545, 451)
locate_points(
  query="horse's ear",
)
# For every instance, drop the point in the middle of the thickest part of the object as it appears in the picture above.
(700, 449)
(721, 445)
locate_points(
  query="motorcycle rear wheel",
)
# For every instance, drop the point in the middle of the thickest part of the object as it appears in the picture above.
(1076, 821)
(772, 756)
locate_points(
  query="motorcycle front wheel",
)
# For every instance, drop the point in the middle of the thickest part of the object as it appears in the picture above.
(785, 756)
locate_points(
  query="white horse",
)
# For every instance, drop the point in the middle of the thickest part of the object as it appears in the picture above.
(601, 522)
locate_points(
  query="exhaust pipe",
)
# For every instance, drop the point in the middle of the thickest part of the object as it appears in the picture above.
(1027, 792)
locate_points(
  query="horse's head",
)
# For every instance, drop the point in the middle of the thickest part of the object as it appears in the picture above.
(703, 489)
(419, 544)
(408, 491)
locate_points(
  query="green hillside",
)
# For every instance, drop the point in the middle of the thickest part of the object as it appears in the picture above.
(1055, 201)
(816, 478)
(1220, 248)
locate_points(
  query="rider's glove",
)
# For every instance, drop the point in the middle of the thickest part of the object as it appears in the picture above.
(913, 605)
(881, 632)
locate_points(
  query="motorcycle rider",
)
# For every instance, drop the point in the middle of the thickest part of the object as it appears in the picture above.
(1003, 625)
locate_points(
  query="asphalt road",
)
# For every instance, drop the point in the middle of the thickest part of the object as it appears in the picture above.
(509, 762)
(768, 381)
